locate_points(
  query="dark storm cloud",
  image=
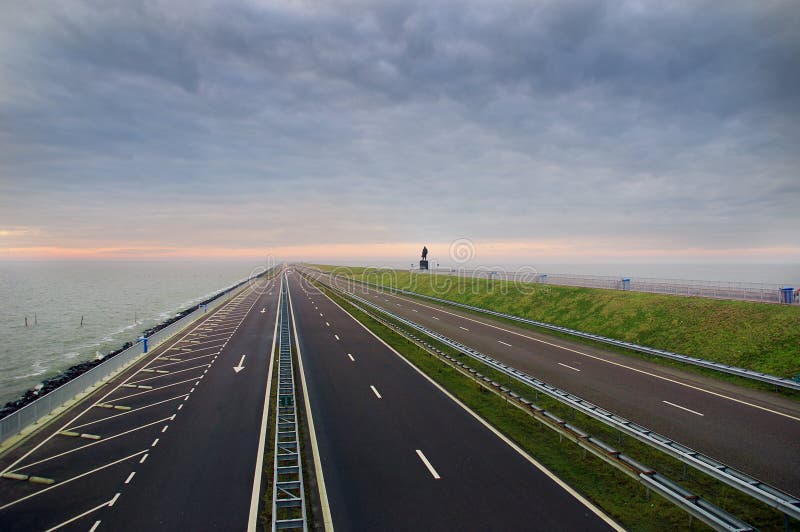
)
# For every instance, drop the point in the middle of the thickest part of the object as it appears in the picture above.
(671, 122)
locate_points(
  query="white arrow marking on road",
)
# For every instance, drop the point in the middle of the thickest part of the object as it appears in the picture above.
(239, 368)
(263, 310)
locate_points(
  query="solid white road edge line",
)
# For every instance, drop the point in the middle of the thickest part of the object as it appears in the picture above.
(428, 465)
(327, 521)
(252, 520)
(597, 511)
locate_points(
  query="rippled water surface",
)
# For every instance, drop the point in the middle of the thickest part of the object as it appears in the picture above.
(117, 300)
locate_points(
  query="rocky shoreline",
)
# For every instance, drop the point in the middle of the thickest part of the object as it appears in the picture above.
(72, 372)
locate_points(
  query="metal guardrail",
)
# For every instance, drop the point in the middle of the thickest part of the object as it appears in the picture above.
(288, 495)
(751, 486)
(733, 290)
(782, 382)
(696, 506)
(31, 413)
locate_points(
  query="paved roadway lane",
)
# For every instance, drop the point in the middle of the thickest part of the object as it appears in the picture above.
(398, 454)
(754, 431)
(179, 452)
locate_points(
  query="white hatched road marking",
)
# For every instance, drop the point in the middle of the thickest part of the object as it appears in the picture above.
(98, 442)
(65, 482)
(79, 516)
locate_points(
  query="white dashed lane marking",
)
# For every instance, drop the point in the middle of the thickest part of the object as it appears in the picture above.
(428, 465)
(684, 408)
(570, 367)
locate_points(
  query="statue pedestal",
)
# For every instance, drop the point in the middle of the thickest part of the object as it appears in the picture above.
(423, 265)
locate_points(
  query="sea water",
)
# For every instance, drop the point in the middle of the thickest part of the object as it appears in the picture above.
(115, 300)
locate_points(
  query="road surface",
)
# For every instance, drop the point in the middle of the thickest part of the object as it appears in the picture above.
(399, 454)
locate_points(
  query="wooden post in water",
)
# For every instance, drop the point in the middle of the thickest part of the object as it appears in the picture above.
(81, 321)
(26, 321)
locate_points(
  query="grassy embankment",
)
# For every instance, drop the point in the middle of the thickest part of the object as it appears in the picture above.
(617, 494)
(759, 336)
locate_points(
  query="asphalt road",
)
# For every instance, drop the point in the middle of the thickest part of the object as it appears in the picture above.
(399, 454)
(178, 453)
(754, 431)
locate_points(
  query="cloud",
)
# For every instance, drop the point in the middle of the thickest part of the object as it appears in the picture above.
(246, 124)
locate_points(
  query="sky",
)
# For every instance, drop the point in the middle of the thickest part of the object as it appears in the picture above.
(348, 130)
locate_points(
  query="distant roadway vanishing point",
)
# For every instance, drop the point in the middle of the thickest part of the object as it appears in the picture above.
(172, 443)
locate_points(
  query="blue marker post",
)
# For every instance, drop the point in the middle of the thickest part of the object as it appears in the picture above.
(144, 343)
(787, 295)
(626, 283)
(204, 307)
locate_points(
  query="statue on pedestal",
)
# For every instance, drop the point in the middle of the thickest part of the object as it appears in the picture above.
(423, 264)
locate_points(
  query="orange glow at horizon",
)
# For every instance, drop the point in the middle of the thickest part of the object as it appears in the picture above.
(481, 251)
